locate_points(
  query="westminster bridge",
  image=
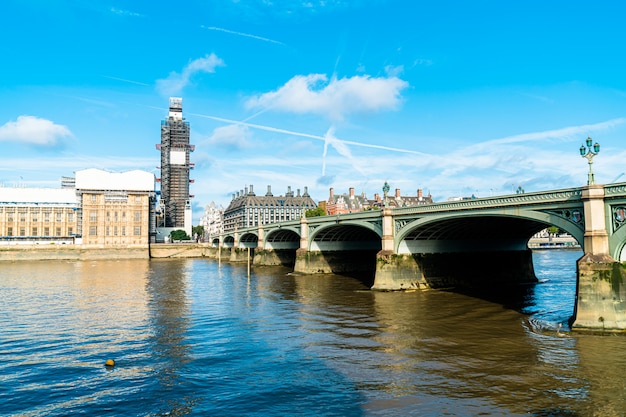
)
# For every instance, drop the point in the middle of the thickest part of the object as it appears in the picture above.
(478, 242)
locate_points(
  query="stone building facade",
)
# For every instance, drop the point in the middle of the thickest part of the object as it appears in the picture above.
(38, 215)
(95, 208)
(246, 209)
(116, 208)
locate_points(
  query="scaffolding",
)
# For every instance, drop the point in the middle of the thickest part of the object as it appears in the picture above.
(175, 166)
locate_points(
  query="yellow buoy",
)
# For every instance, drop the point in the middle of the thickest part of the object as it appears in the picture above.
(109, 362)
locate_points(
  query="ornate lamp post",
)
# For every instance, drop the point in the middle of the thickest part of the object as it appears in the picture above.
(385, 192)
(589, 152)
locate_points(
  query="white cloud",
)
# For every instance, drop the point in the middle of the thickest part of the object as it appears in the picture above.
(34, 130)
(335, 99)
(175, 82)
(231, 137)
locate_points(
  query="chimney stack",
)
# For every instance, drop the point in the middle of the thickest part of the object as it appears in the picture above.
(352, 193)
(397, 193)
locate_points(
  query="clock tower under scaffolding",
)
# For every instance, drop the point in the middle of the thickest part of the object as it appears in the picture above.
(175, 203)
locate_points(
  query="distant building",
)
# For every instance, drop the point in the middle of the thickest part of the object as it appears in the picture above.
(398, 200)
(346, 203)
(212, 220)
(175, 206)
(95, 208)
(246, 209)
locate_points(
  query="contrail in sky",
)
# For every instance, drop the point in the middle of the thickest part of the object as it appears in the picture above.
(305, 135)
(247, 35)
(124, 80)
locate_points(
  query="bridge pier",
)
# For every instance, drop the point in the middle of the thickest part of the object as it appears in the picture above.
(600, 294)
(600, 288)
(455, 269)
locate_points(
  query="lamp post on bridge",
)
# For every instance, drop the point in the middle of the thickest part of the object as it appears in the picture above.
(589, 152)
(385, 193)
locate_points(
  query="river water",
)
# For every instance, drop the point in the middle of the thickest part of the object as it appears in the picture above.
(191, 338)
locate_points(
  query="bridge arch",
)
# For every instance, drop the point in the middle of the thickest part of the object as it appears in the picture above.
(229, 241)
(282, 238)
(345, 236)
(490, 231)
(248, 240)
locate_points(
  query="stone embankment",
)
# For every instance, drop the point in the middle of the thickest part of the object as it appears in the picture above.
(14, 253)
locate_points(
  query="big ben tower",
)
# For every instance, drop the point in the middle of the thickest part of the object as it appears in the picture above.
(175, 166)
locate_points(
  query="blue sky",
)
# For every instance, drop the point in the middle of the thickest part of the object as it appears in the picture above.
(453, 97)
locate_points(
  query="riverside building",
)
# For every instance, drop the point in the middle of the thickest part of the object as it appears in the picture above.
(95, 208)
(246, 209)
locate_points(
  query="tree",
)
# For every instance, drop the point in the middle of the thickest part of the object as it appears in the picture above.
(179, 235)
(316, 212)
(197, 231)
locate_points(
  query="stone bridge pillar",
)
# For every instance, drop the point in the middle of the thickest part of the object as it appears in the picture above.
(304, 234)
(601, 291)
(261, 235)
(388, 232)
(596, 239)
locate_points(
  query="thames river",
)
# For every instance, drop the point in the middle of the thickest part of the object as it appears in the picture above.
(191, 338)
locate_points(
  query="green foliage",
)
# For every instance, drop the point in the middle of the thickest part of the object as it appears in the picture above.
(197, 230)
(316, 212)
(553, 230)
(179, 235)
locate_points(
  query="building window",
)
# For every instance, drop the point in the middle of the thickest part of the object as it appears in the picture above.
(70, 231)
(35, 216)
(123, 230)
(10, 217)
(93, 216)
(70, 216)
(115, 218)
(106, 231)
(22, 231)
(137, 216)
(108, 216)
(137, 230)
(123, 216)
(22, 217)
(46, 217)
(34, 231)
(93, 231)
(59, 216)
(46, 231)
(58, 231)
(93, 198)
(9, 231)
(138, 199)
(114, 230)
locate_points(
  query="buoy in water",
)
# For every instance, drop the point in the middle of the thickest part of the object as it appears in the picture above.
(109, 363)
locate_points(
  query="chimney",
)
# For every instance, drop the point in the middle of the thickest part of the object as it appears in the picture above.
(306, 192)
(419, 193)
(376, 197)
(351, 193)
(332, 192)
(289, 194)
(237, 194)
(246, 188)
(298, 193)
(397, 193)
(251, 190)
(269, 191)
(233, 196)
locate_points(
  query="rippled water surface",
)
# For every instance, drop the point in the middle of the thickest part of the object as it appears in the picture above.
(190, 338)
